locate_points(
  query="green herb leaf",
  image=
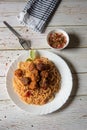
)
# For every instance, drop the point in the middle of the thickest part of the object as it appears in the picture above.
(32, 54)
(29, 59)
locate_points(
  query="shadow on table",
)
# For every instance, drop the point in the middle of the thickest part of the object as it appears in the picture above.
(74, 87)
(74, 40)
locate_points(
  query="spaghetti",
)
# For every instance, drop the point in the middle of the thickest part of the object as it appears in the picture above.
(37, 81)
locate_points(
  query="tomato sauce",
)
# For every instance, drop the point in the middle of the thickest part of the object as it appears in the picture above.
(57, 40)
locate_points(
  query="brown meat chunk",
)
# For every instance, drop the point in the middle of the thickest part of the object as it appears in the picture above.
(35, 75)
(18, 73)
(32, 66)
(27, 94)
(41, 66)
(25, 80)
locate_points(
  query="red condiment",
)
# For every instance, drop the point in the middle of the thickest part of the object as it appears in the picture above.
(28, 94)
(57, 40)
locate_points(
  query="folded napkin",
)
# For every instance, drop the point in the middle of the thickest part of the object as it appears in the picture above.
(37, 13)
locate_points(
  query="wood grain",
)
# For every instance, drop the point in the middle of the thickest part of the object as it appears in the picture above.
(77, 36)
(70, 16)
(72, 116)
(75, 58)
(74, 11)
(79, 86)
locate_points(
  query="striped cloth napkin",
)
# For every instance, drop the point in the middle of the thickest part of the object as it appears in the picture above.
(37, 13)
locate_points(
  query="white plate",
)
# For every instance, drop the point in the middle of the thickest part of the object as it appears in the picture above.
(60, 98)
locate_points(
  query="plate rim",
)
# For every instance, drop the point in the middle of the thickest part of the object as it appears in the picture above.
(46, 111)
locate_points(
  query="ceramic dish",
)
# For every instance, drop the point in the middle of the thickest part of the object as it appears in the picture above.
(60, 98)
(58, 39)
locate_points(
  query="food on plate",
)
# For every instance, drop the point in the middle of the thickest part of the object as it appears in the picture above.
(36, 81)
(57, 40)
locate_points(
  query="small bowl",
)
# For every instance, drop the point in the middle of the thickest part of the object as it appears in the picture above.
(57, 39)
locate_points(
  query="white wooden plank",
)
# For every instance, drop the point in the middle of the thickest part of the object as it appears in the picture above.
(72, 17)
(77, 36)
(68, 13)
(72, 116)
(6, 60)
(75, 58)
(3, 90)
(79, 86)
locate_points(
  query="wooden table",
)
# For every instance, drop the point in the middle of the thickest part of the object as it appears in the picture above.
(72, 17)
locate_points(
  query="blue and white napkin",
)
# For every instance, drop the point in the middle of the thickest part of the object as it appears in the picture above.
(37, 13)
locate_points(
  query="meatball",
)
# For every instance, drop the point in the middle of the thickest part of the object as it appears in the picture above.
(18, 73)
(25, 81)
(41, 66)
(32, 66)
